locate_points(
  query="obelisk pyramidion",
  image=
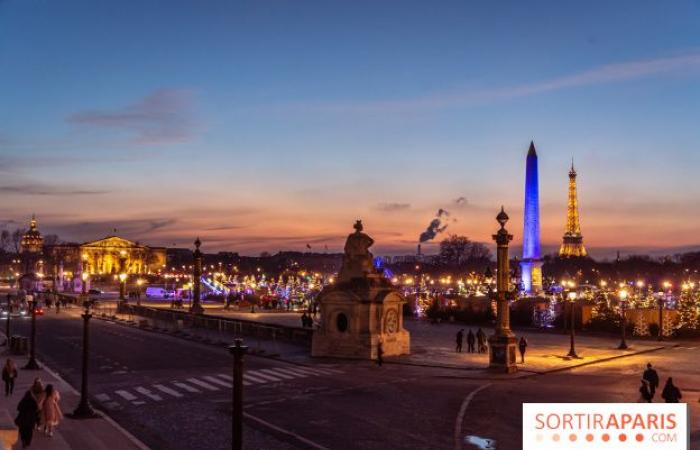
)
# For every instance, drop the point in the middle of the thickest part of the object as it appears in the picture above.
(531, 265)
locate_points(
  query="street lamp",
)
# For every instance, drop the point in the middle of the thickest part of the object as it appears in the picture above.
(84, 276)
(238, 351)
(139, 283)
(32, 364)
(572, 334)
(84, 409)
(122, 286)
(623, 309)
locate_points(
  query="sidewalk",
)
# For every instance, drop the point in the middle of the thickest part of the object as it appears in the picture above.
(94, 434)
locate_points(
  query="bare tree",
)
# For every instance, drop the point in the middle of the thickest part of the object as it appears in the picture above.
(5, 240)
(16, 239)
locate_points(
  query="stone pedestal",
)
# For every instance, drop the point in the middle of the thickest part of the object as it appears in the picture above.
(357, 316)
(502, 353)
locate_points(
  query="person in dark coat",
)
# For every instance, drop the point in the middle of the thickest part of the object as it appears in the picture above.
(471, 339)
(380, 353)
(522, 346)
(304, 320)
(460, 339)
(644, 391)
(652, 378)
(9, 374)
(671, 393)
(28, 412)
(481, 338)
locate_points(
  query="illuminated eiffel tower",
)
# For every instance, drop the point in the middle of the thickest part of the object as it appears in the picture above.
(572, 246)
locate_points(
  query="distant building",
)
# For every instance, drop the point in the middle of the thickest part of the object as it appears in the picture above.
(31, 248)
(531, 264)
(572, 245)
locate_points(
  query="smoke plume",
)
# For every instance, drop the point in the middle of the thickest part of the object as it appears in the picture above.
(436, 226)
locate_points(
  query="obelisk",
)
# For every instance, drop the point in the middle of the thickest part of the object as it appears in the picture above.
(531, 264)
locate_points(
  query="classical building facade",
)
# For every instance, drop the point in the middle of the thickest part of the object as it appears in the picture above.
(111, 255)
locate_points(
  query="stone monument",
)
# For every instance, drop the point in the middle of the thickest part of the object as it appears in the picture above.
(362, 310)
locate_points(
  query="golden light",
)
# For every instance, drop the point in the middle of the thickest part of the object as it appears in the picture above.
(640, 283)
(603, 283)
(122, 252)
(623, 294)
(84, 276)
(122, 277)
(685, 286)
(139, 282)
(667, 285)
(572, 295)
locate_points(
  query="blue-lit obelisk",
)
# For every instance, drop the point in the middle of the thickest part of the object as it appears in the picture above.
(531, 265)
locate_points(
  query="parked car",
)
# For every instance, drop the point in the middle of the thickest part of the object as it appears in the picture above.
(94, 292)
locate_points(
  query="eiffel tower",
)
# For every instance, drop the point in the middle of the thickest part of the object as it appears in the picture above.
(572, 245)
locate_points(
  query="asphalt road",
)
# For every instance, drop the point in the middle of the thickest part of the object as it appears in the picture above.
(174, 394)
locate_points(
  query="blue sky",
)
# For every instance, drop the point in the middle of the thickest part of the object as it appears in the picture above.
(270, 125)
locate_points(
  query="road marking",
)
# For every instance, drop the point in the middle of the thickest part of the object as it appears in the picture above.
(218, 381)
(274, 372)
(102, 397)
(264, 376)
(203, 384)
(313, 371)
(253, 378)
(186, 387)
(138, 403)
(167, 390)
(226, 377)
(308, 442)
(296, 372)
(460, 416)
(128, 396)
(148, 393)
(112, 405)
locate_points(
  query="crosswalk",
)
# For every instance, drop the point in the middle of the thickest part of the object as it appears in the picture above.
(177, 389)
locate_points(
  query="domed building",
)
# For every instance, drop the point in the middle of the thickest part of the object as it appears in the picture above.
(31, 248)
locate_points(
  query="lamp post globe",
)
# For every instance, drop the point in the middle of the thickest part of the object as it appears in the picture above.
(623, 323)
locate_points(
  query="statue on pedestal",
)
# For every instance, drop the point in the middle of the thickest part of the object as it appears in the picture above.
(362, 311)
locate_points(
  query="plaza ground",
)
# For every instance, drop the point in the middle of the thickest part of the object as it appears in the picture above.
(173, 393)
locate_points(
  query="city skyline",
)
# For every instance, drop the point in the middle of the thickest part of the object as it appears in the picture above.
(258, 147)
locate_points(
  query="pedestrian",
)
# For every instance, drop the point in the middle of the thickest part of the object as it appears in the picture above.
(652, 378)
(470, 341)
(522, 346)
(50, 410)
(644, 391)
(671, 393)
(9, 373)
(380, 353)
(28, 412)
(304, 319)
(58, 306)
(37, 390)
(460, 339)
(481, 339)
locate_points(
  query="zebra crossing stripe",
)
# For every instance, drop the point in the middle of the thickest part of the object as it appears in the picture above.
(314, 371)
(186, 387)
(217, 381)
(229, 378)
(203, 384)
(102, 397)
(253, 378)
(128, 396)
(277, 373)
(148, 393)
(292, 372)
(300, 372)
(167, 390)
(264, 376)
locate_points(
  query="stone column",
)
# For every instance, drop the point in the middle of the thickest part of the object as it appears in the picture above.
(502, 344)
(197, 280)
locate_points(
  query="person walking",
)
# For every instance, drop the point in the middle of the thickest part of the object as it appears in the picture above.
(651, 377)
(470, 341)
(522, 346)
(481, 339)
(380, 354)
(460, 339)
(9, 374)
(37, 390)
(644, 391)
(28, 412)
(671, 393)
(50, 410)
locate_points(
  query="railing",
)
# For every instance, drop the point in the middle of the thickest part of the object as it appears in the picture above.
(223, 325)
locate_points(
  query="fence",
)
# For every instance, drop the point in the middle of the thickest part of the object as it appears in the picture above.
(222, 325)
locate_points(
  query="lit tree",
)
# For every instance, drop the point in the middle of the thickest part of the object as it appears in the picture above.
(641, 326)
(669, 325)
(688, 313)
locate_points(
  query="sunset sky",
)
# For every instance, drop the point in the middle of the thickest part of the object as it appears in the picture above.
(270, 125)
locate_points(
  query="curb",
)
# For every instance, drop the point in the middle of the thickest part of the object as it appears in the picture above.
(133, 439)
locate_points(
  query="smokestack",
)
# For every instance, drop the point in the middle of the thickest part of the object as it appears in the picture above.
(418, 253)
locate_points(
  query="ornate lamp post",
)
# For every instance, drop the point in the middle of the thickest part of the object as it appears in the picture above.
(84, 409)
(83, 290)
(623, 311)
(139, 283)
(572, 333)
(238, 351)
(197, 279)
(122, 287)
(502, 342)
(667, 286)
(9, 314)
(32, 364)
